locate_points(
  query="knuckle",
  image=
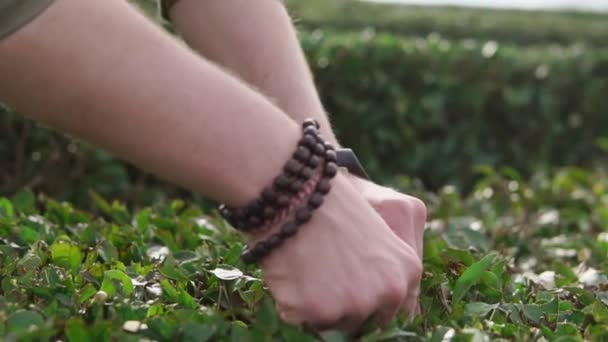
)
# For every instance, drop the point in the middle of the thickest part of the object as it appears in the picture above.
(416, 270)
(394, 291)
(360, 309)
(419, 208)
(322, 313)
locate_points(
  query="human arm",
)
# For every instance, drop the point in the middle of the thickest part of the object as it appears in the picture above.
(257, 41)
(127, 86)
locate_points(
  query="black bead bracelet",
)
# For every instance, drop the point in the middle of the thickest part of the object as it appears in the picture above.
(302, 215)
(274, 198)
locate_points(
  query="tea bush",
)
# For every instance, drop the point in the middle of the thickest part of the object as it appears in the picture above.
(508, 26)
(515, 260)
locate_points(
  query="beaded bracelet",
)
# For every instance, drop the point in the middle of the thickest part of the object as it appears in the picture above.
(302, 216)
(311, 151)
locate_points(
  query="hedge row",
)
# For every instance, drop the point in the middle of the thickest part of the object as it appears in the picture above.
(518, 27)
(430, 108)
(436, 108)
(515, 261)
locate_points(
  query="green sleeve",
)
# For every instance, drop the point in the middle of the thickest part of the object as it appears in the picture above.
(14, 14)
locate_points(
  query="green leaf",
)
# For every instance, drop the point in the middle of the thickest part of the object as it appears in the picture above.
(172, 270)
(334, 336)
(76, 331)
(598, 311)
(66, 255)
(178, 295)
(239, 332)
(108, 252)
(24, 201)
(267, 320)
(114, 278)
(87, 292)
(551, 307)
(6, 208)
(227, 273)
(23, 320)
(388, 335)
(471, 276)
(479, 309)
(533, 312)
(198, 332)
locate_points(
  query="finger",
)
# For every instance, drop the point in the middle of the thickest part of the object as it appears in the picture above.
(397, 216)
(411, 304)
(385, 317)
(410, 308)
(418, 221)
(391, 302)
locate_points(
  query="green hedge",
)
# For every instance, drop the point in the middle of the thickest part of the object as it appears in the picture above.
(519, 27)
(430, 108)
(514, 261)
(436, 108)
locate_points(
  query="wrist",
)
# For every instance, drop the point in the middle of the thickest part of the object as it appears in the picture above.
(290, 200)
(288, 213)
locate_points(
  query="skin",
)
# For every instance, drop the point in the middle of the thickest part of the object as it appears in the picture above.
(270, 58)
(126, 86)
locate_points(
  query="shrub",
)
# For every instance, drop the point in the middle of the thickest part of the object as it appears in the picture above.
(436, 108)
(506, 26)
(515, 260)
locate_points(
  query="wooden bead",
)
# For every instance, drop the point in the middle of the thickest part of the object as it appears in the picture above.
(310, 122)
(247, 257)
(296, 186)
(269, 195)
(283, 201)
(274, 241)
(331, 169)
(238, 213)
(330, 156)
(315, 200)
(310, 131)
(329, 147)
(302, 154)
(306, 173)
(269, 212)
(239, 225)
(319, 149)
(224, 211)
(254, 221)
(293, 167)
(303, 215)
(281, 182)
(308, 141)
(314, 161)
(323, 187)
(288, 230)
(256, 207)
(261, 249)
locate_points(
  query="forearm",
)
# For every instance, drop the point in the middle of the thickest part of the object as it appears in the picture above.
(256, 40)
(100, 71)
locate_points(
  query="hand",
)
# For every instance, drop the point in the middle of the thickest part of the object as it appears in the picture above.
(344, 266)
(405, 215)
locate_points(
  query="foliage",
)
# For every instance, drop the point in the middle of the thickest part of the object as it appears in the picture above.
(437, 108)
(514, 260)
(507, 26)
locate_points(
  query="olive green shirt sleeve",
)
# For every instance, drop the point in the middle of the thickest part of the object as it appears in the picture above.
(15, 14)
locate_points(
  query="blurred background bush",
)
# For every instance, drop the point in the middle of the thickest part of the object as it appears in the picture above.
(435, 94)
